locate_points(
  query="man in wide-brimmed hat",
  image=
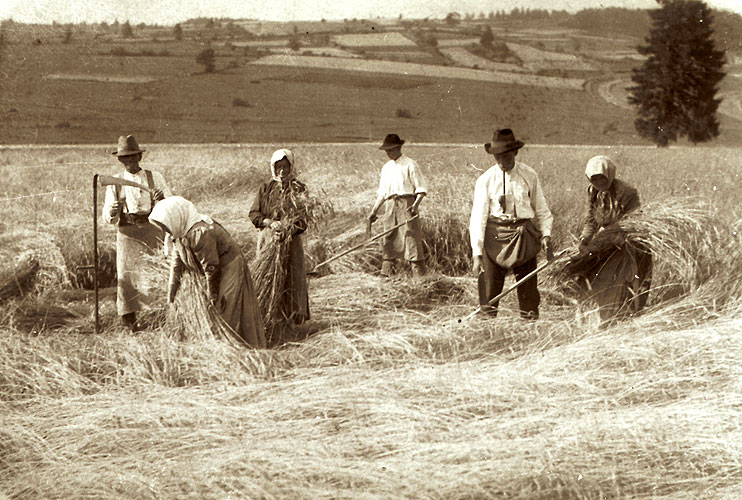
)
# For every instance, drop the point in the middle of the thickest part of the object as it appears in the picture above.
(510, 223)
(402, 182)
(129, 207)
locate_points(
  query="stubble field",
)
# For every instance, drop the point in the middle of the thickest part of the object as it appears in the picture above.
(383, 394)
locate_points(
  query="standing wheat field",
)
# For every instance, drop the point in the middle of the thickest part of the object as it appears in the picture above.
(383, 394)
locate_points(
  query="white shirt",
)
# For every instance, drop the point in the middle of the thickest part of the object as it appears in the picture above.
(524, 199)
(400, 176)
(136, 200)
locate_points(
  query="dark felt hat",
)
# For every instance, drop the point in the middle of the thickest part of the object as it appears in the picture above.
(127, 146)
(503, 140)
(391, 141)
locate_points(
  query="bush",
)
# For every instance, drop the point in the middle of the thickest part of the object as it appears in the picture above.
(206, 58)
(403, 113)
(237, 102)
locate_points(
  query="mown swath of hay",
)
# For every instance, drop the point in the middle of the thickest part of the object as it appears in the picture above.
(34, 315)
(18, 279)
(684, 236)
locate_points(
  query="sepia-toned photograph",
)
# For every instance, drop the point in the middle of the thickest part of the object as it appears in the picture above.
(325, 250)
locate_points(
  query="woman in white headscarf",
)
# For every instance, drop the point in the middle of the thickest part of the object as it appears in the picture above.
(277, 213)
(203, 246)
(618, 278)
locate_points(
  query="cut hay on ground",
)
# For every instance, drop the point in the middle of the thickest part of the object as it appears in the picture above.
(35, 315)
(18, 279)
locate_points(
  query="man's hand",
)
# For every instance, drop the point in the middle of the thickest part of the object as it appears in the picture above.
(476, 265)
(372, 217)
(413, 210)
(158, 195)
(116, 207)
(546, 247)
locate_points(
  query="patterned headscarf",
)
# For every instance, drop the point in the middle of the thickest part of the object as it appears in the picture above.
(601, 165)
(178, 215)
(278, 155)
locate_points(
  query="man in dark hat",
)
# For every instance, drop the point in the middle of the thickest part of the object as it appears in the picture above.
(129, 207)
(402, 182)
(510, 223)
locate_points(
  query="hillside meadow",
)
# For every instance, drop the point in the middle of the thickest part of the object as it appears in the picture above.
(383, 394)
(90, 87)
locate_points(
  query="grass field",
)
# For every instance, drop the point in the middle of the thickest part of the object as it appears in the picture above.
(383, 395)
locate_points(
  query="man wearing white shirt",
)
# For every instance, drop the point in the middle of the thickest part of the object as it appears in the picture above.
(128, 207)
(402, 182)
(510, 223)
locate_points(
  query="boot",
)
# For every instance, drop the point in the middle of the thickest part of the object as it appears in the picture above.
(130, 321)
(387, 268)
(418, 268)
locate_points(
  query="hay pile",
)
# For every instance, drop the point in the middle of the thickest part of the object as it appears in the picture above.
(684, 236)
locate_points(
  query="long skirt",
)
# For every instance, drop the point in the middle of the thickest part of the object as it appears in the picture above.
(619, 283)
(295, 299)
(133, 243)
(407, 240)
(239, 304)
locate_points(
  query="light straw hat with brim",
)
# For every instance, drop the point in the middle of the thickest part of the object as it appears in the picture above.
(127, 146)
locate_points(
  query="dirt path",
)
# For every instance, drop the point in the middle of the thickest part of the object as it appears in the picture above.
(615, 92)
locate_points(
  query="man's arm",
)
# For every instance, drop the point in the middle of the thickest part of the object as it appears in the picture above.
(478, 223)
(111, 206)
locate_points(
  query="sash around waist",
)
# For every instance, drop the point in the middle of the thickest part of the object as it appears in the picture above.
(127, 218)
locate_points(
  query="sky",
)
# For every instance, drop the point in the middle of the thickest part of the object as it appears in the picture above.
(168, 12)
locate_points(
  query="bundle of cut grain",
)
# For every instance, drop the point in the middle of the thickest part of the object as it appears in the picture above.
(193, 318)
(681, 234)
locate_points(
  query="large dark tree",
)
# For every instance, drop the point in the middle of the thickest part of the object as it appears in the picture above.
(676, 86)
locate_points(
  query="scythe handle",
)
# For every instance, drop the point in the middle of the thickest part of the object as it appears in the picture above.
(360, 245)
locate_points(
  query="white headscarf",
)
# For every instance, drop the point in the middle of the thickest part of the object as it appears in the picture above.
(279, 155)
(178, 215)
(601, 165)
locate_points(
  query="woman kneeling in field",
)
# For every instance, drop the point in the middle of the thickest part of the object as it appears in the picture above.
(615, 270)
(204, 246)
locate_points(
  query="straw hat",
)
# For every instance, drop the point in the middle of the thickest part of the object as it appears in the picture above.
(503, 141)
(127, 146)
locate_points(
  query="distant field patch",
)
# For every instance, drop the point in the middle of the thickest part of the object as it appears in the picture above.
(539, 59)
(313, 51)
(374, 40)
(456, 42)
(100, 78)
(428, 70)
(463, 57)
(617, 55)
(257, 43)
